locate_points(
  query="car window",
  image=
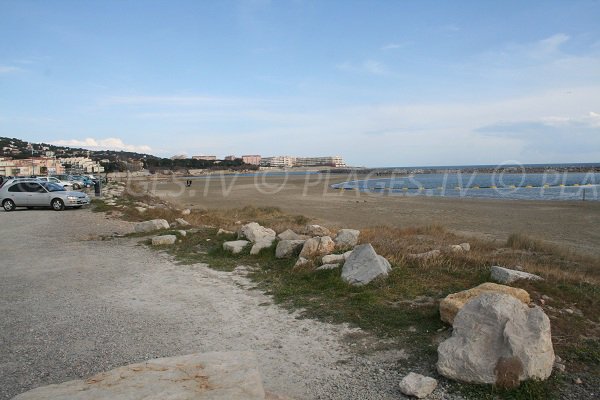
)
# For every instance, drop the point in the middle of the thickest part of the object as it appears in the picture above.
(53, 187)
(32, 187)
(15, 188)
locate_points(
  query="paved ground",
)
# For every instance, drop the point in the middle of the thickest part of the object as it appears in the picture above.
(72, 305)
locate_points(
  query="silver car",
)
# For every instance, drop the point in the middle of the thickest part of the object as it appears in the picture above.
(40, 194)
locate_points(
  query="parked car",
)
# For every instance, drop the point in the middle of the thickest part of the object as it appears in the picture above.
(75, 183)
(87, 182)
(35, 193)
(66, 185)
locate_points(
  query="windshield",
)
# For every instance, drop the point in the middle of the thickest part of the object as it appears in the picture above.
(53, 187)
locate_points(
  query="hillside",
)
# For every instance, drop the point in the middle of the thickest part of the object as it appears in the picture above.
(17, 148)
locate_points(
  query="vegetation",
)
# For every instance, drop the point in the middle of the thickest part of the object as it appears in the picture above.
(404, 306)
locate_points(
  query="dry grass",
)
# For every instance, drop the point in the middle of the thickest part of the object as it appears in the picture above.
(571, 280)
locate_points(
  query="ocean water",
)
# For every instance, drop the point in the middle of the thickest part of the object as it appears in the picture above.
(522, 186)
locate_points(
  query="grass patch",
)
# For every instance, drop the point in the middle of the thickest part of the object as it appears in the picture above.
(389, 307)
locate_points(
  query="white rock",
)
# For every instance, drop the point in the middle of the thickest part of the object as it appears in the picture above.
(141, 210)
(261, 244)
(455, 248)
(224, 232)
(333, 258)
(417, 385)
(301, 262)
(182, 233)
(235, 246)
(152, 225)
(364, 265)
(346, 238)
(182, 222)
(347, 254)
(290, 235)
(187, 211)
(288, 248)
(497, 339)
(163, 240)
(465, 246)
(316, 230)
(317, 246)
(328, 266)
(428, 255)
(209, 376)
(254, 232)
(505, 275)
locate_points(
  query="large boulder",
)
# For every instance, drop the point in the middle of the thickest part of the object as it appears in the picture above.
(346, 238)
(235, 246)
(151, 225)
(452, 303)
(288, 248)
(364, 265)
(316, 230)
(317, 246)
(261, 244)
(290, 235)
(255, 232)
(417, 385)
(209, 376)
(163, 240)
(506, 276)
(497, 340)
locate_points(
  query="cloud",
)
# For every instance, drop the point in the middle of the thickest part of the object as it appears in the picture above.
(5, 69)
(554, 134)
(103, 144)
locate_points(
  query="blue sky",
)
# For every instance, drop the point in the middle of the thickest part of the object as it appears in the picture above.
(386, 83)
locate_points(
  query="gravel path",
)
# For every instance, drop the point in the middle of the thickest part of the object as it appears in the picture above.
(73, 305)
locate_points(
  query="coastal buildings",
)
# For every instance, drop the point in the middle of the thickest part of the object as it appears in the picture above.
(252, 159)
(288, 161)
(30, 166)
(278, 161)
(230, 158)
(81, 165)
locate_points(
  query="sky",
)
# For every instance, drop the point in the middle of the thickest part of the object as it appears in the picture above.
(381, 83)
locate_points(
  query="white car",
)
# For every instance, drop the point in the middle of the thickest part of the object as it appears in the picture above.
(66, 184)
(34, 193)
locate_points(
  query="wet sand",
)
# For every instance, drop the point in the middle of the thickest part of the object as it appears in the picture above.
(572, 224)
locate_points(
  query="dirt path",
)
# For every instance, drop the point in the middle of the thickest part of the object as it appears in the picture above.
(73, 306)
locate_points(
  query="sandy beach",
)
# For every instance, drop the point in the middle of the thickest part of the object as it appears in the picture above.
(572, 224)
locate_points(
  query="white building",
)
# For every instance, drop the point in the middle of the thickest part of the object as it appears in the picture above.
(87, 165)
(278, 161)
(288, 161)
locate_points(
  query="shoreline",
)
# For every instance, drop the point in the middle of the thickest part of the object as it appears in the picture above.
(571, 224)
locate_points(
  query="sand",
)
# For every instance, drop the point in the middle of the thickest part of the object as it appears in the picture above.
(572, 224)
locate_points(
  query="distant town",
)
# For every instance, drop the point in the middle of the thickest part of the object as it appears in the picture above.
(20, 158)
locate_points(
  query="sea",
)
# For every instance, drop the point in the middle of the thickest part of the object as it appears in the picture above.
(466, 181)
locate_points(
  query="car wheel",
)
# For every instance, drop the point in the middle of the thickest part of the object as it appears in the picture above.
(76, 186)
(57, 205)
(8, 205)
